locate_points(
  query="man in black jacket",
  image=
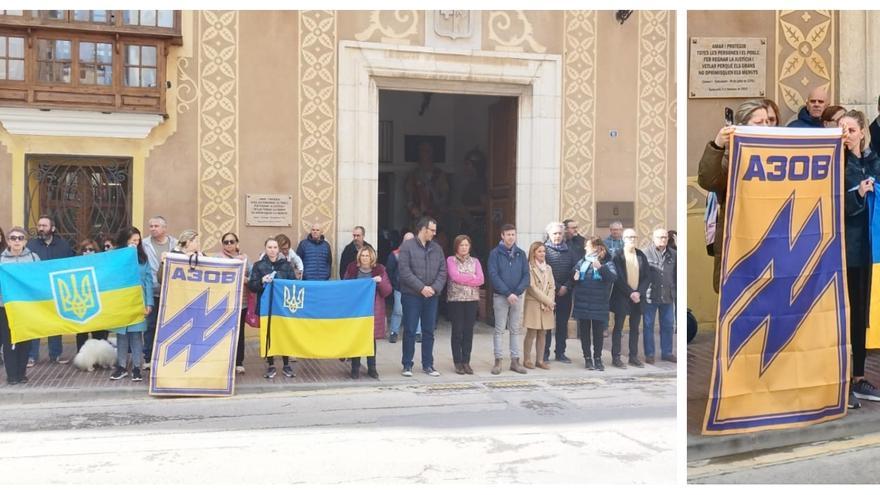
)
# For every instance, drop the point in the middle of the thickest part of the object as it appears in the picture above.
(627, 296)
(561, 259)
(350, 252)
(48, 246)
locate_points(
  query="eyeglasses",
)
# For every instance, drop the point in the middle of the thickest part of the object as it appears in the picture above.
(629, 237)
(108, 246)
(16, 238)
(229, 242)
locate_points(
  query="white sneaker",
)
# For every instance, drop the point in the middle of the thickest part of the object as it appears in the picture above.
(30, 363)
(146, 365)
(406, 372)
(431, 372)
(239, 370)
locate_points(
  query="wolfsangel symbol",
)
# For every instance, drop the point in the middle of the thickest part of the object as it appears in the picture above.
(292, 300)
(76, 294)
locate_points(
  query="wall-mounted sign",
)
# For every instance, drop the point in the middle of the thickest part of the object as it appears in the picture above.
(727, 68)
(269, 210)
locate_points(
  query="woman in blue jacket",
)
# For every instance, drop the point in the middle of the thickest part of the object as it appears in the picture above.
(132, 337)
(593, 275)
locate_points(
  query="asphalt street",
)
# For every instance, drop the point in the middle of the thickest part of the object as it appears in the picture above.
(587, 430)
(851, 460)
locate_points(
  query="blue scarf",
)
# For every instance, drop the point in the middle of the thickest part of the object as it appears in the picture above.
(587, 265)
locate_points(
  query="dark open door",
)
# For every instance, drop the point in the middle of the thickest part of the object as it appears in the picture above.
(502, 167)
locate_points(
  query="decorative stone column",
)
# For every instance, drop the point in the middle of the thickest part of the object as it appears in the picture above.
(859, 69)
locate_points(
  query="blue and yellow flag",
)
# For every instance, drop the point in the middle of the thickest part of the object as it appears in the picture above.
(72, 295)
(317, 319)
(782, 348)
(872, 334)
(197, 327)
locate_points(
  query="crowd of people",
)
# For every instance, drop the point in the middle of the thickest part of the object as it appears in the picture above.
(861, 166)
(535, 296)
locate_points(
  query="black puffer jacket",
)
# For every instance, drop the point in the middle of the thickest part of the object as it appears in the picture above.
(858, 247)
(591, 297)
(561, 261)
(283, 271)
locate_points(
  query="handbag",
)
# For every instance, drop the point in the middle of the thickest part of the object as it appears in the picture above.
(251, 317)
(573, 329)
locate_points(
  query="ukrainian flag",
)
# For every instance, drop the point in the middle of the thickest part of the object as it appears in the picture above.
(72, 295)
(317, 319)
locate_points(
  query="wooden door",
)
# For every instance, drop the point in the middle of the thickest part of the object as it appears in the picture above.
(502, 182)
(502, 167)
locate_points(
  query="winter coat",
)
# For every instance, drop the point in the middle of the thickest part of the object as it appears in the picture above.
(508, 270)
(858, 244)
(465, 279)
(541, 292)
(591, 297)
(349, 254)
(806, 120)
(662, 268)
(562, 260)
(421, 266)
(146, 275)
(874, 130)
(712, 176)
(620, 293)
(393, 270)
(317, 258)
(383, 290)
(283, 271)
(26, 256)
(58, 248)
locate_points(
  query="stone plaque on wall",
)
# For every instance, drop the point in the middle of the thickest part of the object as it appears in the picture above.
(269, 210)
(727, 68)
(610, 211)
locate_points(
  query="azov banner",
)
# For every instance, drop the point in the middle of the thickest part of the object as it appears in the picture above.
(197, 327)
(782, 350)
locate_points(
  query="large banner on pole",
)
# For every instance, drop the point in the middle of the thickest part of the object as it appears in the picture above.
(72, 295)
(317, 319)
(782, 345)
(197, 327)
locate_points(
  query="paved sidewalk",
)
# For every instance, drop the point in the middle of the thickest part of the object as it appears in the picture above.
(699, 370)
(49, 381)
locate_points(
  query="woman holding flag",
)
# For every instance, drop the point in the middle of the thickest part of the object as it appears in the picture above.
(132, 337)
(860, 169)
(367, 267)
(15, 356)
(268, 268)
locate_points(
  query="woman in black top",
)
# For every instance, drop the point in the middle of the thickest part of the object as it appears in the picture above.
(270, 267)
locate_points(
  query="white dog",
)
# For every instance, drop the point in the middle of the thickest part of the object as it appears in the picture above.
(95, 353)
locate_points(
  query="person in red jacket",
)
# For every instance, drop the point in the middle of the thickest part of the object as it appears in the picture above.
(366, 267)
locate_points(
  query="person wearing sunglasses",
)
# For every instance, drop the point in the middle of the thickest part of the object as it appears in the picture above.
(231, 250)
(108, 244)
(86, 247)
(15, 355)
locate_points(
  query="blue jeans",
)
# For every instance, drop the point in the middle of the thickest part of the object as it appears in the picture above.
(419, 310)
(397, 315)
(55, 348)
(126, 341)
(667, 321)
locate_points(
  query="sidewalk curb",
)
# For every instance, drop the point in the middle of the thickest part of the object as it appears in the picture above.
(140, 391)
(856, 423)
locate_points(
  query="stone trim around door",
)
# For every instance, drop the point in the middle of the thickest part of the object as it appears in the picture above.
(536, 79)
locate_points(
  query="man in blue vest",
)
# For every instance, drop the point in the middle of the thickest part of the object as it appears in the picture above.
(316, 255)
(48, 246)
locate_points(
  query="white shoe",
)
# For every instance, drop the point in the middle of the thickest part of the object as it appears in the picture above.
(30, 363)
(239, 370)
(146, 365)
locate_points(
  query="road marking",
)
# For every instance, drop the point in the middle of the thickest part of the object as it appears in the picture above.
(712, 467)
